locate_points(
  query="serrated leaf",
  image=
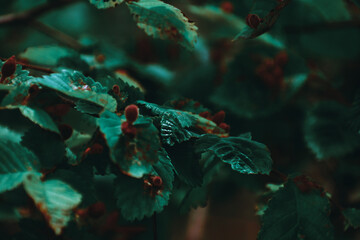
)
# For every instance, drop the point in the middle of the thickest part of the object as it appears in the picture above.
(75, 85)
(54, 199)
(164, 21)
(16, 162)
(292, 214)
(327, 133)
(352, 217)
(243, 154)
(173, 122)
(134, 156)
(137, 204)
(103, 4)
(47, 146)
(19, 76)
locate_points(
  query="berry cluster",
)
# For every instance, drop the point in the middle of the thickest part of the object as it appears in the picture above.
(271, 70)
(153, 185)
(217, 118)
(131, 114)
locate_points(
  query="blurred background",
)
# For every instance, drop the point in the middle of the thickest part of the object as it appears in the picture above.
(294, 88)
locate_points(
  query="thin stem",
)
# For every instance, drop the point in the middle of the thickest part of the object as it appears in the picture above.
(56, 34)
(30, 66)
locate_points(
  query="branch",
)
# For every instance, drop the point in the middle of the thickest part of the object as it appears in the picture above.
(30, 66)
(56, 34)
(29, 15)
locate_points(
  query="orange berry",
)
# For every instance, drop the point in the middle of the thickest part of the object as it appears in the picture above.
(281, 58)
(253, 20)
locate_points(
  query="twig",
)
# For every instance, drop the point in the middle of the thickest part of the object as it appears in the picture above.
(278, 174)
(29, 15)
(30, 66)
(56, 34)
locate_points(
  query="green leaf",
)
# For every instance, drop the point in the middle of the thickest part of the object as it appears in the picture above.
(134, 156)
(268, 21)
(54, 199)
(352, 217)
(103, 4)
(137, 204)
(173, 123)
(47, 55)
(243, 154)
(75, 85)
(48, 146)
(164, 21)
(16, 162)
(293, 214)
(20, 75)
(327, 133)
(40, 117)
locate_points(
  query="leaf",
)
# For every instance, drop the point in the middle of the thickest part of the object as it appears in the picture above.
(137, 204)
(54, 199)
(292, 214)
(327, 133)
(352, 217)
(243, 154)
(20, 75)
(16, 162)
(48, 146)
(173, 123)
(47, 55)
(75, 85)
(164, 21)
(81, 179)
(103, 4)
(268, 21)
(134, 156)
(40, 117)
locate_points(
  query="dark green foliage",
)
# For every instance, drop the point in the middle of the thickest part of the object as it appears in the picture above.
(50, 154)
(243, 154)
(108, 116)
(327, 131)
(296, 211)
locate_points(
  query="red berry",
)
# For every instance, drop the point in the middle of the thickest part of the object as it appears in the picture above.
(116, 89)
(156, 181)
(225, 126)
(227, 7)
(278, 73)
(65, 131)
(219, 117)
(96, 149)
(33, 90)
(281, 58)
(128, 129)
(253, 20)
(100, 58)
(131, 113)
(205, 114)
(97, 210)
(8, 68)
